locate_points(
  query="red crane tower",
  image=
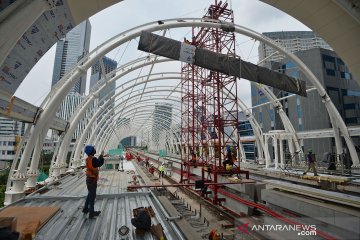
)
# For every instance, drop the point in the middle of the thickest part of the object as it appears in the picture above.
(210, 108)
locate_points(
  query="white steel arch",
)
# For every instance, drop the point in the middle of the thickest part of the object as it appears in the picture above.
(109, 130)
(65, 145)
(242, 106)
(101, 109)
(336, 120)
(79, 114)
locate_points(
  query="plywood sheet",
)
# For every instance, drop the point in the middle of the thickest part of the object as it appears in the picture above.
(29, 219)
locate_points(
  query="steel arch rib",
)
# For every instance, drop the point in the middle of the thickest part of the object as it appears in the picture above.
(101, 109)
(242, 106)
(81, 112)
(108, 132)
(89, 60)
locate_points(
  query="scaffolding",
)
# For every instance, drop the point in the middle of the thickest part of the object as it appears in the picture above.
(209, 108)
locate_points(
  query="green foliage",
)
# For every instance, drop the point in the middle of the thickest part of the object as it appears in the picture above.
(3, 181)
(45, 162)
(3, 177)
(47, 158)
(2, 195)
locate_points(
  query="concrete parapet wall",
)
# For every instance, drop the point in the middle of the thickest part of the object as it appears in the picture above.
(343, 220)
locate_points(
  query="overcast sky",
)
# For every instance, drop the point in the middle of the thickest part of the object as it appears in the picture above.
(252, 14)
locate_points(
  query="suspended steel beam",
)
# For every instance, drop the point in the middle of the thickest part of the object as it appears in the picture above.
(230, 65)
(18, 109)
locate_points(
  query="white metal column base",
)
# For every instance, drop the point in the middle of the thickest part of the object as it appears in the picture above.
(32, 176)
(261, 161)
(73, 165)
(56, 171)
(11, 196)
(16, 192)
(63, 168)
(76, 164)
(18, 182)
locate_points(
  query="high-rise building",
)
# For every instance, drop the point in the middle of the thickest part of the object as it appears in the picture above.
(310, 113)
(97, 74)
(10, 135)
(11, 127)
(69, 51)
(293, 41)
(162, 119)
(11, 132)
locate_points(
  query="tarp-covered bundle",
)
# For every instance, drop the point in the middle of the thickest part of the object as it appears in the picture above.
(229, 65)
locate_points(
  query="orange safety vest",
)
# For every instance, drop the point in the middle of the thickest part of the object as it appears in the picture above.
(91, 171)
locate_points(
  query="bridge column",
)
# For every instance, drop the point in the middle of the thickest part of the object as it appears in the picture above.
(292, 152)
(16, 192)
(281, 153)
(63, 168)
(276, 150)
(267, 156)
(56, 171)
(32, 176)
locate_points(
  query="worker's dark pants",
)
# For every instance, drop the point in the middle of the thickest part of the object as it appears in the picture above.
(161, 174)
(91, 184)
(311, 166)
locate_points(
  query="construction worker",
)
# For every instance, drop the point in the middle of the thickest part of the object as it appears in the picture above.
(311, 163)
(147, 163)
(193, 159)
(92, 175)
(234, 154)
(229, 158)
(152, 169)
(347, 162)
(161, 170)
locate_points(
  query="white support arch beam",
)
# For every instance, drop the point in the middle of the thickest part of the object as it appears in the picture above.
(176, 100)
(80, 112)
(99, 112)
(146, 111)
(53, 104)
(257, 134)
(111, 130)
(255, 125)
(125, 130)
